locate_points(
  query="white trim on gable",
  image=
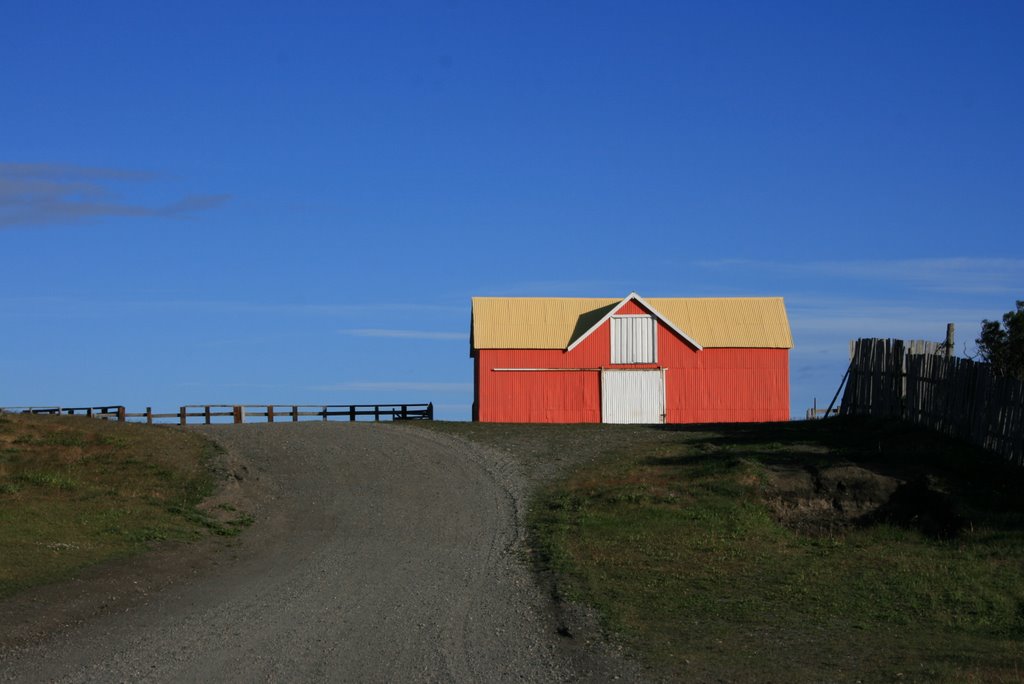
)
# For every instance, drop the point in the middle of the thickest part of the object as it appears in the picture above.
(633, 296)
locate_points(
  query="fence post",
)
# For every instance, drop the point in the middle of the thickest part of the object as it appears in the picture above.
(323, 410)
(238, 414)
(183, 415)
(351, 413)
(430, 411)
(270, 414)
(149, 415)
(295, 414)
(206, 414)
(121, 417)
(376, 414)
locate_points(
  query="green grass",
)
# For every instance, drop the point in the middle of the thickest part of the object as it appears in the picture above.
(670, 534)
(76, 491)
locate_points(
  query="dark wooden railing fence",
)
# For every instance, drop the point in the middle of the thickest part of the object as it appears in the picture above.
(242, 413)
(106, 412)
(955, 396)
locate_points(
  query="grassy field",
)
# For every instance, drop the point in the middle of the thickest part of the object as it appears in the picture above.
(810, 551)
(75, 492)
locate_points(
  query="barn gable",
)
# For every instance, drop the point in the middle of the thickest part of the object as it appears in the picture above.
(613, 310)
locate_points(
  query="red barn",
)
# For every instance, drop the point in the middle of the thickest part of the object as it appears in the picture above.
(670, 360)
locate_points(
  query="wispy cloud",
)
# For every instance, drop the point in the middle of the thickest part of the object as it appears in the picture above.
(396, 386)
(191, 204)
(965, 275)
(405, 334)
(232, 385)
(824, 325)
(68, 172)
(72, 306)
(560, 288)
(310, 309)
(48, 194)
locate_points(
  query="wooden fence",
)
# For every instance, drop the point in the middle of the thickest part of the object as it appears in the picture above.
(241, 413)
(955, 396)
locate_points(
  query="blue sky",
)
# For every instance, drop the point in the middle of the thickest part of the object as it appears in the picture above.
(294, 202)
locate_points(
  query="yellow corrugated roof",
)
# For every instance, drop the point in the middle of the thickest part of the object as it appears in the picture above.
(553, 322)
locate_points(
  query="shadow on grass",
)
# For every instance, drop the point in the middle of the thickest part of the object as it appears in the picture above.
(946, 485)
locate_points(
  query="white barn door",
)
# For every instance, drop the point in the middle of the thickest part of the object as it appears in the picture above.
(633, 396)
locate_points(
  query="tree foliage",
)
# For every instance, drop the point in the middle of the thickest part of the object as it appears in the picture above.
(1002, 345)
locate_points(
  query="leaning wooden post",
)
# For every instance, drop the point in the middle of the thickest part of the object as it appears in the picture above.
(183, 415)
(949, 339)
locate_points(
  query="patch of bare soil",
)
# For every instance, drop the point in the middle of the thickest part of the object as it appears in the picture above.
(823, 501)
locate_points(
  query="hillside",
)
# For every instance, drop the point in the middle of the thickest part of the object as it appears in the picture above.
(833, 550)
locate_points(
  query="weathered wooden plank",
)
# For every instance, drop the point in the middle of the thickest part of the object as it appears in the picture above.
(917, 383)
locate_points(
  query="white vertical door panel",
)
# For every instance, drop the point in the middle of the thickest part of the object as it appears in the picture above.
(633, 396)
(634, 339)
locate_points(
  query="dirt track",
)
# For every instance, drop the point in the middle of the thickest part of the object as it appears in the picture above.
(380, 553)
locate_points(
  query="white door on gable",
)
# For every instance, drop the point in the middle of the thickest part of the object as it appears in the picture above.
(633, 396)
(634, 339)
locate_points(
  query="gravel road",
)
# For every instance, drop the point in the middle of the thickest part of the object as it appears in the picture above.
(381, 552)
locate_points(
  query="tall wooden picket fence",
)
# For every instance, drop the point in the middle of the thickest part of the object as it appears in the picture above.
(955, 396)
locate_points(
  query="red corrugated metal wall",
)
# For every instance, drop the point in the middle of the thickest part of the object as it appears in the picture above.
(707, 386)
(632, 307)
(538, 397)
(556, 396)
